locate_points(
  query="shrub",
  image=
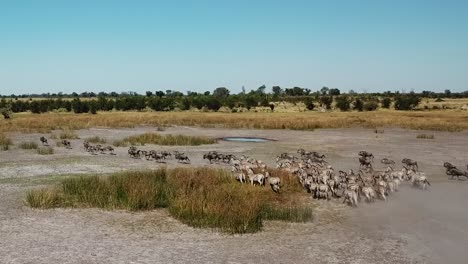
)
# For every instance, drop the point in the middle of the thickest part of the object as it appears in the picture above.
(358, 105)
(343, 103)
(407, 102)
(438, 100)
(370, 106)
(386, 102)
(309, 103)
(28, 145)
(326, 101)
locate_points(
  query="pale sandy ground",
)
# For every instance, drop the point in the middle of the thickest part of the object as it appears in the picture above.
(412, 227)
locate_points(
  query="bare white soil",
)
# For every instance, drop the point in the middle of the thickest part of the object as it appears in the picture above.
(411, 227)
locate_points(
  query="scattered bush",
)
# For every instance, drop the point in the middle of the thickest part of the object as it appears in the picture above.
(386, 102)
(309, 103)
(407, 102)
(45, 151)
(370, 106)
(28, 145)
(343, 103)
(326, 101)
(358, 105)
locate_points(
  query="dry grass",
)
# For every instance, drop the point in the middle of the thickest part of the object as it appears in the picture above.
(5, 142)
(446, 120)
(68, 134)
(425, 136)
(199, 197)
(28, 145)
(167, 140)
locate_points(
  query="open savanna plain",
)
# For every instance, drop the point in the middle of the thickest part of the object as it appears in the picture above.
(412, 226)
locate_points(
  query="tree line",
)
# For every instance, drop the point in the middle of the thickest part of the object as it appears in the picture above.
(213, 101)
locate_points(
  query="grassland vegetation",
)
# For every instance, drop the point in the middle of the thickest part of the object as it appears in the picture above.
(199, 197)
(5, 142)
(45, 150)
(28, 145)
(165, 140)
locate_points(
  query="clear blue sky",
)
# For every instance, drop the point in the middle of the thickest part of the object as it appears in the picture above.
(99, 45)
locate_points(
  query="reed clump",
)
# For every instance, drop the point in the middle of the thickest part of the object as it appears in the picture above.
(158, 139)
(28, 145)
(199, 197)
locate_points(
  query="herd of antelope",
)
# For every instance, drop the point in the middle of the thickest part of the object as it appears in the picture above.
(313, 172)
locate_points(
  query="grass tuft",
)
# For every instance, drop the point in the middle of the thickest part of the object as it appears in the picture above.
(45, 151)
(68, 134)
(425, 136)
(96, 140)
(28, 145)
(199, 197)
(5, 142)
(169, 140)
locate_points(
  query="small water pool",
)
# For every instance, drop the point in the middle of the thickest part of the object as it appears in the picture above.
(246, 139)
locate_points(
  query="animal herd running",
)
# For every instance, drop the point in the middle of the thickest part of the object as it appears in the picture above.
(159, 157)
(313, 172)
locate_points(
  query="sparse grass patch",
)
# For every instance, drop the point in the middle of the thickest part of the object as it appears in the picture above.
(199, 197)
(68, 134)
(96, 140)
(157, 139)
(28, 145)
(291, 214)
(425, 136)
(45, 151)
(44, 198)
(5, 142)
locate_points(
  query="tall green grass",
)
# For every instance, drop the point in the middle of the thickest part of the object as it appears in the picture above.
(5, 142)
(169, 140)
(199, 197)
(28, 145)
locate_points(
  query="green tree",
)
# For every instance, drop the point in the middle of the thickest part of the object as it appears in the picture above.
(343, 103)
(221, 92)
